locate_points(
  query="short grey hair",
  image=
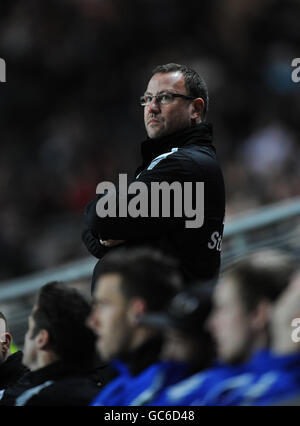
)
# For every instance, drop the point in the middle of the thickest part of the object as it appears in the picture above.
(194, 83)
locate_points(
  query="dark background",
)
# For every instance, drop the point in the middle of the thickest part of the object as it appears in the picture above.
(70, 117)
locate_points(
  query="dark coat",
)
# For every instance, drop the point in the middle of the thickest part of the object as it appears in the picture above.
(11, 370)
(186, 156)
(54, 385)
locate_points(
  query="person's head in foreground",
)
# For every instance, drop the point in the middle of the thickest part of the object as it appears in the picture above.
(5, 339)
(130, 282)
(243, 301)
(57, 329)
(176, 98)
(186, 338)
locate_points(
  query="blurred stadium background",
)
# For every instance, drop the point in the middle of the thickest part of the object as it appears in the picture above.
(70, 118)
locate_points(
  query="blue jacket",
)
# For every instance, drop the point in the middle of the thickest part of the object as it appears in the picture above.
(193, 390)
(223, 392)
(127, 389)
(279, 382)
(267, 379)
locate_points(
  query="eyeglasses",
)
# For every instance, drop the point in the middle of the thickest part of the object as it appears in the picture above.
(162, 98)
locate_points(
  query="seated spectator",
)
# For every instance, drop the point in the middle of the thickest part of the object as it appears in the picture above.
(277, 382)
(243, 302)
(186, 340)
(130, 283)
(11, 367)
(185, 336)
(59, 349)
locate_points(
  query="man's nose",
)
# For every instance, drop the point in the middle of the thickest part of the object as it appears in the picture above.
(154, 105)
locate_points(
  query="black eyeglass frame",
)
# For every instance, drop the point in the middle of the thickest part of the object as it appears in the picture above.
(173, 95)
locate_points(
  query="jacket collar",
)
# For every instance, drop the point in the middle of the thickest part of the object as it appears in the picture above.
(58, 369)
(200, 134)
(50, 372)
(54, 371)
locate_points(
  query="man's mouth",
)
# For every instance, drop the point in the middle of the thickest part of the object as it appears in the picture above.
(153, 121)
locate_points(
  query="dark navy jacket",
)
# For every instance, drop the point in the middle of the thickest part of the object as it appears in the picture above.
(11, 370)
(54, 385)
(186, 156)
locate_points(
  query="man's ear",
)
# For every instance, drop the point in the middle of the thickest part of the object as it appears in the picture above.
(5, 340)
(42, 339)
(197, 110)
(136, 309)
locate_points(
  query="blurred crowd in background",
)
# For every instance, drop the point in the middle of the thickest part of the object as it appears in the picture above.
(70, 116)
